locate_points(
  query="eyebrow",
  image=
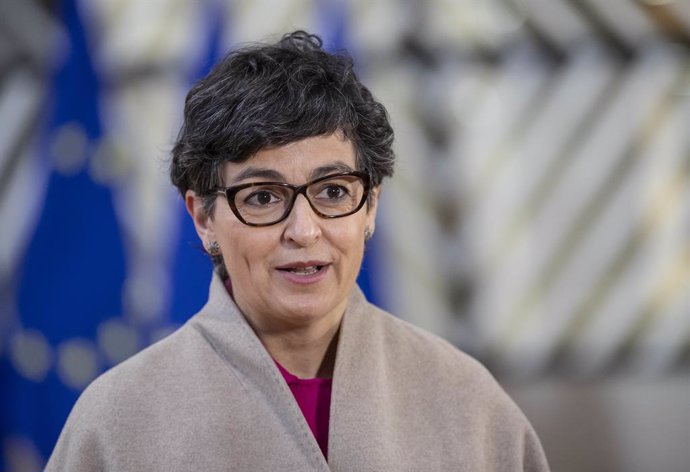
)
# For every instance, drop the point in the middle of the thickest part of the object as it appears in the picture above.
(338, 166)
(275, 176)
(259, 172)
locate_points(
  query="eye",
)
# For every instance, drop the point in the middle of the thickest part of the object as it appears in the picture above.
(333, 192)
(262, 197)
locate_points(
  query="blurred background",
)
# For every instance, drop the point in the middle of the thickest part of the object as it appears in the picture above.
(539, 217)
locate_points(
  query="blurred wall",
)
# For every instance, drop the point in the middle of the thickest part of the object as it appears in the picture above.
(539, 217)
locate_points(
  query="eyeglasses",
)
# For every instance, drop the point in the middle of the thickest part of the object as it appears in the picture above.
(268, 203)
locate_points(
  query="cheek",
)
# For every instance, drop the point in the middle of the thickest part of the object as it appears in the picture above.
(253, 250)
(244, 250)
(350, 242)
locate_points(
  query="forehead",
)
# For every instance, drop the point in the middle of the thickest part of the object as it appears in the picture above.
(295, 162)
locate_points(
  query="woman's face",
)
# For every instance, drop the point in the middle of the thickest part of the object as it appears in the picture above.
(273, 268)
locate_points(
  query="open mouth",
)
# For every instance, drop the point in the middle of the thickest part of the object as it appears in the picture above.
(305, 269)
(308, 270)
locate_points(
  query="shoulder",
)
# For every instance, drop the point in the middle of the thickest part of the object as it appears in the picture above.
(166, 372)
(438, 381)
(442, 397)
(98, 419)
(138, 377)
(422, 358)
(420, 348)
(156, 360)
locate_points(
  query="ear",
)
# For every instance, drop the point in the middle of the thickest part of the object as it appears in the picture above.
(202, 221)
(372, 207)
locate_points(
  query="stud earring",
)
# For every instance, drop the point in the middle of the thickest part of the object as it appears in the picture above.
(368, 234)
(213, 248)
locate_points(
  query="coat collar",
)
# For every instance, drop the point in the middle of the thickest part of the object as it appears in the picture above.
(227, 331)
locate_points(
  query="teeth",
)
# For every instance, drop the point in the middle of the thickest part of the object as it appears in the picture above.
(305, 270)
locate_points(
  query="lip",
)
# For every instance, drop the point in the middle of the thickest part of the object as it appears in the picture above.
(304, 279)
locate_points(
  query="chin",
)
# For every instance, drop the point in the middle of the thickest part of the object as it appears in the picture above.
(304, 308)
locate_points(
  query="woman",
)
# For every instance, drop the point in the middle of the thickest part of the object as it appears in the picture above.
(288, 367)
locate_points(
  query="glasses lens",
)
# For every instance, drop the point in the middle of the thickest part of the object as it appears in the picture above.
(263, 204)
(338, 195)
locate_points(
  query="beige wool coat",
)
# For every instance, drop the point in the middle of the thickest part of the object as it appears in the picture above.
(210, 398)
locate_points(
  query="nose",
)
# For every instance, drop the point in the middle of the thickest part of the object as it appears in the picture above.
(302, 224)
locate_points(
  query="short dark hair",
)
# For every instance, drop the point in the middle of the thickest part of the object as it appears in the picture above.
(267, 95)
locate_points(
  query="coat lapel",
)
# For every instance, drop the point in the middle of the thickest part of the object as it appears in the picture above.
(360, 434)
(232, 338)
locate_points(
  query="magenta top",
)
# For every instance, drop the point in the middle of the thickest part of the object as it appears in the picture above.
(314, 399)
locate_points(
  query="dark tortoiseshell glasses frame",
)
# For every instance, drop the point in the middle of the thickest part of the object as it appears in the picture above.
(231, 192)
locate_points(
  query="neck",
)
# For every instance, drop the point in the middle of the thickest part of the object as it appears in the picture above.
(306, 353)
